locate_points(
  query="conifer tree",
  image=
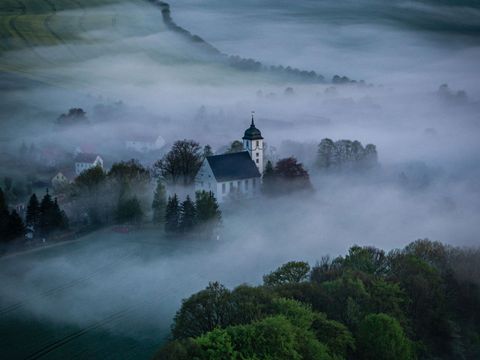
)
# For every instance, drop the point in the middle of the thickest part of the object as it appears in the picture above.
(159, 203)
(46, 218)
(209, 215)
(15, 227)
(33, 211)
(4, 216)
(187, 215)
(172, 214)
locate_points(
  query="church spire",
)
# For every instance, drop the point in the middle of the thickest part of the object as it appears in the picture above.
(253, 122)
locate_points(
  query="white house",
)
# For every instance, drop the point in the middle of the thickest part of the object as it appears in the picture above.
(144, 143)
(62, 178)
(85, 161)
(235, 174)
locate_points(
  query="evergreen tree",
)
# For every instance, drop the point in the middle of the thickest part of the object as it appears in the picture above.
(15, 227)
(33, 211)
(47, 215)
(129, 211)
(172, 214)
(187, 215)
(268, 185)
(4, 215)
(209, 215)
(159, 203)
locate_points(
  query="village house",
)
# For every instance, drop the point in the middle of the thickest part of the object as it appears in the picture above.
(234, 174)
(63, 178)
(84, 161)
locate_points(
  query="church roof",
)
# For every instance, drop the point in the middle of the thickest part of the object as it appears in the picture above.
(252, 133)
(235, 166)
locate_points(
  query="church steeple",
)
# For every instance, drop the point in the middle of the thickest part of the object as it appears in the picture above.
(253, 143)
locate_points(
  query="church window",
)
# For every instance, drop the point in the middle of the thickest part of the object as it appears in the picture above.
(254, 181)
(224, 188)
(246, 184)
(257, 143)
(238, 185)
(258, 154)
(257, 160)
(231, 186)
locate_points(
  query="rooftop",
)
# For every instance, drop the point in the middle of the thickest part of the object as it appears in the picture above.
(234, 166)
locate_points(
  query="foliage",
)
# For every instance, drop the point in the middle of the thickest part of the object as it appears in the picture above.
(345, 154)
(181, 164)
(188, 215)
(51, 218)
(419, 302)
(172, 214)
(159, 203)
(235, 146)
(91, 178)
(381, 337)
(288, 176)
(291, 272)
(207, 151)
(129, 211)
(33, 211)
(208, 213)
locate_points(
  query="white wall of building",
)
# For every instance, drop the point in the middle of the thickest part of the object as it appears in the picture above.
(255, 149)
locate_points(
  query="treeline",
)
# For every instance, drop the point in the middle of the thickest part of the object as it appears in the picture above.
(41, 220)
(420, 302)
(202, 215)
(345, 154)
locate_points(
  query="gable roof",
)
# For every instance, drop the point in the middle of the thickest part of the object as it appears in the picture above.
(235, 166)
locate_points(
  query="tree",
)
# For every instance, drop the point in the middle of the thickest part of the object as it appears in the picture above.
(91, 178)
(172, 214)
(235, 146)
(47, 217)
(4, 214)
(129, 211)
(131, 176)
(335, 335)
(381, 337)
(181, 164)
(202, 312)
(15, 226)
(291, 272)
(159, 203)
(207, 151)
(287, 176)
(209, 215)
(187, 215)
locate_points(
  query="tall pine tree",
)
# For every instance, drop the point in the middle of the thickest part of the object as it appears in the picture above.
(209, 216)
(187, 215)
(172, 214)
(4, 216)
(33, 212)
(159, 203)
(47, 215)
(16, 229)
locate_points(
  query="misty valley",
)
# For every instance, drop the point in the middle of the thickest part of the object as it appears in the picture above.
(239, 180)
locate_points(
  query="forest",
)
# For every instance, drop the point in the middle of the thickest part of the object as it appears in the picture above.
(419, 302)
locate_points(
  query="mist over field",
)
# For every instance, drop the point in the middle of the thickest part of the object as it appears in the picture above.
(134, 73)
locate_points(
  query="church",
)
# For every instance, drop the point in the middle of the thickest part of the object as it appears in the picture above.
(240, 173)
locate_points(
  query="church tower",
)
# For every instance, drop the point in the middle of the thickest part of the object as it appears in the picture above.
(253, 143)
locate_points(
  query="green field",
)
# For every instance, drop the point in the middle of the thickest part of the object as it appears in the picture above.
(38, 35)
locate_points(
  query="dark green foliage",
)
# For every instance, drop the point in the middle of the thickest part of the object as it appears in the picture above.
(15, 226)
(91, 178)
(291, 272)
(172, 214)
(381, 337)
(130, 176)
(4, 214)
(51, 218)
(288, 176)
(129, 211)
(188, 215)
(159, 203)
(33, 211)
(209, 216)
(419, 302)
